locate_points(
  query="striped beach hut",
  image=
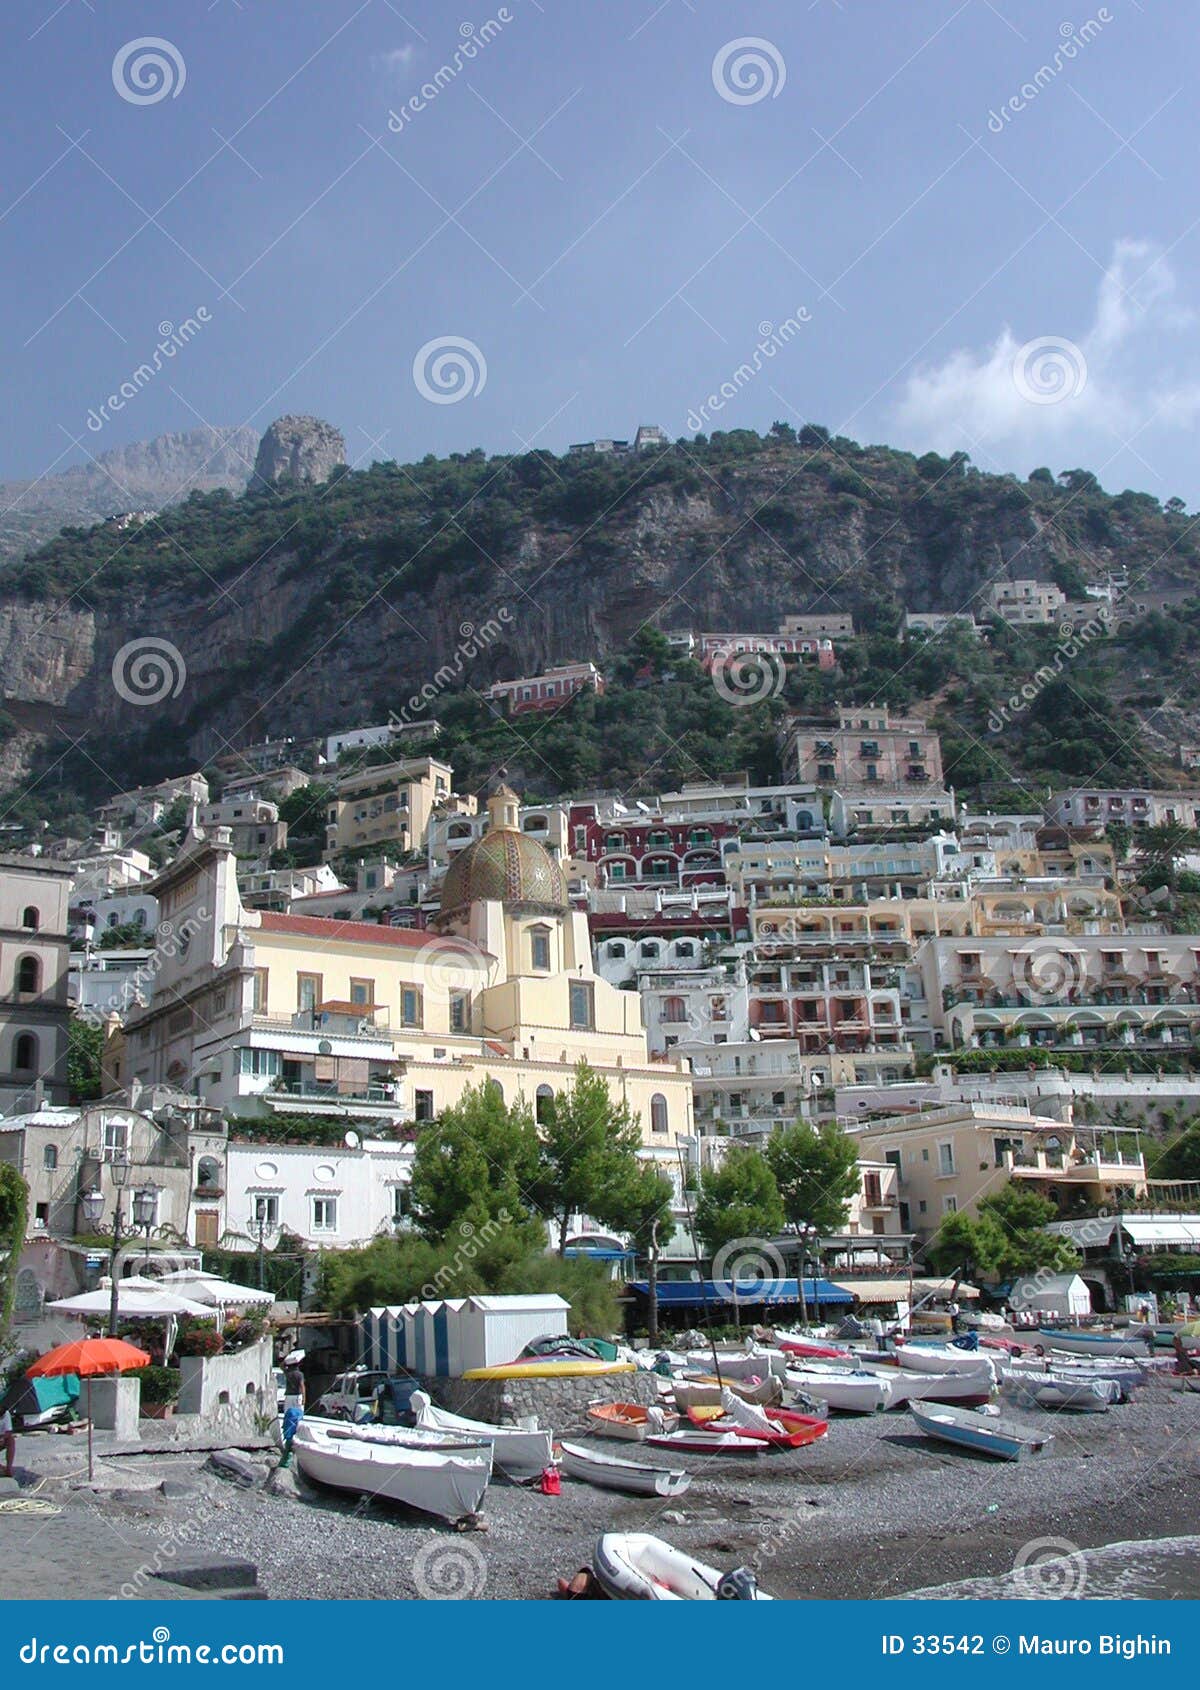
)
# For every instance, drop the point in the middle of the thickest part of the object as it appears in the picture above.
(443, 1339)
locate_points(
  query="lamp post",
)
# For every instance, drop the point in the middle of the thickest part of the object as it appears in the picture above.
(93, 1208)
(261, 1228)
(145, 1212)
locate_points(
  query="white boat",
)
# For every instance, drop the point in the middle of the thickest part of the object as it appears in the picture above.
(944, 1358)
(518, 1451)
(614, 1472)
(706, 1440)
(847, 1391)
(982, 1433)
(635, 1567)
(757, 1364)
(706, 1392)
(907, 1385)
(449, 1481)
(1137, 1343)
(1123, 1370)
(1049, 1390)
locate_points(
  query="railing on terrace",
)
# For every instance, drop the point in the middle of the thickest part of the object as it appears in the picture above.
(328, 1092)
(952, 997)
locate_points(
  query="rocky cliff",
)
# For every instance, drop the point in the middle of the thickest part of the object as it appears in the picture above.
(301, 607)
(142, 476)
(299, 449)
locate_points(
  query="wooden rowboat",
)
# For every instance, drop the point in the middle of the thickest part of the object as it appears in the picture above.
(979, 1432)
(614, 1472)
(628, 1420)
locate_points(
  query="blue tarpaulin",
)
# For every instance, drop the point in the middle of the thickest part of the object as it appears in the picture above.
(694, 1293)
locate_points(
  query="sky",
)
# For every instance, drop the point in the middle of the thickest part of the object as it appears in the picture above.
(956, 224)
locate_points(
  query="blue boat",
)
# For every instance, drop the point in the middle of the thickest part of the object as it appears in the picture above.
(1134, 1342)
(982, 1433)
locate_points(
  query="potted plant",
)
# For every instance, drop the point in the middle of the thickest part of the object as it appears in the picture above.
(160, 1388)
(199, 1338)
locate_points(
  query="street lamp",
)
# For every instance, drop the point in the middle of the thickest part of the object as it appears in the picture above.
(145, 1211)
(93, 1208)
(262, 1227)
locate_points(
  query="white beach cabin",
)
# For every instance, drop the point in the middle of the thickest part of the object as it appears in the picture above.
(443, 1339)
(1063, 1295)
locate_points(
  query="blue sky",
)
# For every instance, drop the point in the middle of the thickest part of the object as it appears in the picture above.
(610, 232)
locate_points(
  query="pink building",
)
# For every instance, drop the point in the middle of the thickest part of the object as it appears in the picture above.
(711, 646)
(548, 691)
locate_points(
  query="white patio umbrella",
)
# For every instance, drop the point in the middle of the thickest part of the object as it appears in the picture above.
(135, 1297)
(210, 1288)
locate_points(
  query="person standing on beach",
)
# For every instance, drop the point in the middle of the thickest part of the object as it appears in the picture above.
(294, 1394)
(8, 1441)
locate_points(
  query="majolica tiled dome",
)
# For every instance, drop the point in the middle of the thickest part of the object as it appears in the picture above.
(507, 866)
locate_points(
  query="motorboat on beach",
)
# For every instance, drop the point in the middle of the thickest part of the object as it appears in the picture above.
(449, 1481)
(614, 1472)
(635, 1567)
(983, 1433)
(518, 1451)
(970, 1390)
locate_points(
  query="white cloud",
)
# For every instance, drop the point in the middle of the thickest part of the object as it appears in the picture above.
(1029, 392)
(395, 60)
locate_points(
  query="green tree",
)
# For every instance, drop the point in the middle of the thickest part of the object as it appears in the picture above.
(1159, 850)
(965, 1246)
(1022, 1216)
(738, 1199)
(1119, 836)
(589, 1157)
(816, 1171)
(1179, 1158)
(14, 1213)
(85, 1060)
(477, 1164)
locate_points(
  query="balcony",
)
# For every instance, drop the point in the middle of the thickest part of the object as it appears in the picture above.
(328, 1093)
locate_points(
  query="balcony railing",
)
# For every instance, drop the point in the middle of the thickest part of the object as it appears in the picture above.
(327, 1091)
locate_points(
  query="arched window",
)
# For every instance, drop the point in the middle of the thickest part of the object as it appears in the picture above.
(29, 975)
(25, 1053)
(614, 842)
(616, 948)
(496, 1090)
(50, 1158)
(31, 919)
(658, 1113)
(545, 1105)
(208, 1174)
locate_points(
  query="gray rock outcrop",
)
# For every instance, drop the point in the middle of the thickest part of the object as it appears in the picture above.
(298, 449)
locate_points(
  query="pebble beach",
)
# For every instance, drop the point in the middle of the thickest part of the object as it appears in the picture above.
(874, 1510)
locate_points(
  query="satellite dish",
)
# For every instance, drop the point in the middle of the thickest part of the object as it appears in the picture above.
(325, 1048)
(352, 1141)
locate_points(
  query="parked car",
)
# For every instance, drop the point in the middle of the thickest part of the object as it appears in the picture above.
(350, 1394)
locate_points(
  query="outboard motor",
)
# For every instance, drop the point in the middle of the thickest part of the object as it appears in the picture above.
(738, 1585)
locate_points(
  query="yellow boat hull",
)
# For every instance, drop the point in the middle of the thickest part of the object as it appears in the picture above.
(568, 1368)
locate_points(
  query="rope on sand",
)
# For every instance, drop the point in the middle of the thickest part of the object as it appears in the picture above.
(26, 1505)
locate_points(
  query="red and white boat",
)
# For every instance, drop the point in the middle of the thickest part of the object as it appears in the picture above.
(706, 1440)
(818, 1352)
(782, 1427)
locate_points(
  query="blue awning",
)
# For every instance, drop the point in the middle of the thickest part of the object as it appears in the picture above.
(600, 1253)
(694, 1293)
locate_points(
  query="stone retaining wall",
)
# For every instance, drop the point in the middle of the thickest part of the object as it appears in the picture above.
(560, 1404)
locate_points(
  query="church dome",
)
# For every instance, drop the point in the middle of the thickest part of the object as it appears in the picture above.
(507, 866)
(504, 865)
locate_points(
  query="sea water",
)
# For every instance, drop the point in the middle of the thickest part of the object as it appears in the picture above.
(1163, 1569)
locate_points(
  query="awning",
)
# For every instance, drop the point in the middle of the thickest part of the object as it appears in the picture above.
(1183, 1229)
(898, 1290)
(598, 1253)
(694, 1293)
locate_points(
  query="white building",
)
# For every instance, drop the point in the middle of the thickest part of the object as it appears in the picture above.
(680, 1005)
(336, 1196)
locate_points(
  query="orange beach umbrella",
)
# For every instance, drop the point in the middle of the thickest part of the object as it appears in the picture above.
(89, 1358)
